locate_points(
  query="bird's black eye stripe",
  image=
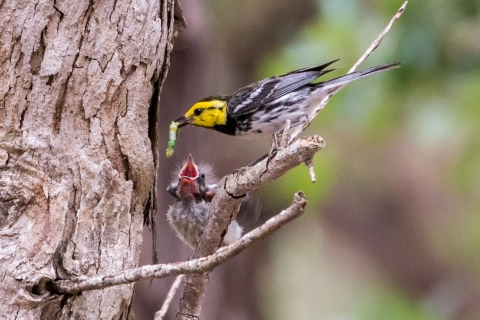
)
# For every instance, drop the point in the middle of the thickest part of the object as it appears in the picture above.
(197, 112)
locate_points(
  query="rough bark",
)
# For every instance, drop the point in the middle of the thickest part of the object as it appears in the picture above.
(76, 164)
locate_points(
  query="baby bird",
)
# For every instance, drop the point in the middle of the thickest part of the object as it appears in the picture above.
(189, 215)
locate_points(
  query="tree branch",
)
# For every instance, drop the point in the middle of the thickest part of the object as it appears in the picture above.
(160, 314)
(188, 267)
(379, 39)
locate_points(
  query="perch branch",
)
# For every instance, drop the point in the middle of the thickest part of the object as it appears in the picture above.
(193, 266)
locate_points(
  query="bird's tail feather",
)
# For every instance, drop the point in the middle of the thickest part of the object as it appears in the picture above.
(343, 80)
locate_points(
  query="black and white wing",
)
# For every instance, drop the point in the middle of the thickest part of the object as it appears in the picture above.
(250, 98)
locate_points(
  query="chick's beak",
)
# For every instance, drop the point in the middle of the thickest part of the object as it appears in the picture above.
(189, 170)
(188, 178)
(183, 121)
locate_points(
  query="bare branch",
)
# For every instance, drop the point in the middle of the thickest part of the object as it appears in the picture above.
(367, 53)
(188, 267)
(379, 39)
(171, 293)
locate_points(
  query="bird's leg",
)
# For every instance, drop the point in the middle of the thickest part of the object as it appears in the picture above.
(273, 150)
(258, 160)
(285, 133)
(270, 154)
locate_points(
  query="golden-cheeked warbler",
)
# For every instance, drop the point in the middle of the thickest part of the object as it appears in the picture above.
(264, 106)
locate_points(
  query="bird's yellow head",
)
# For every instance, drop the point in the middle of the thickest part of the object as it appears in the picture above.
(206, 113)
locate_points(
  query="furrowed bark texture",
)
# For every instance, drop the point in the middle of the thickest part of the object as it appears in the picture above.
(76, 165)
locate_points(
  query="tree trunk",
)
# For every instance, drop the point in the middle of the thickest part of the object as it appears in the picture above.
(76, 165)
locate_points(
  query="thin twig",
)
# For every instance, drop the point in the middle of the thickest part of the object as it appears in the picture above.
(379, 39)
(367, 53)
(188, 267)
(311, 170)
(171, 293)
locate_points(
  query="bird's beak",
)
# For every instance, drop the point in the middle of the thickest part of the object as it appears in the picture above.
(188, 178)
(189, 170)
(183, 121)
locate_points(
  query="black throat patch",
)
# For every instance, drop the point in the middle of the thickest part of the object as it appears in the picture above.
(228, 128)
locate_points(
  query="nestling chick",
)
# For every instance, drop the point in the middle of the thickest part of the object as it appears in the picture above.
(189, 215)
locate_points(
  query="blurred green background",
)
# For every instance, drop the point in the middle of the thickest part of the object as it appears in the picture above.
(392, 226)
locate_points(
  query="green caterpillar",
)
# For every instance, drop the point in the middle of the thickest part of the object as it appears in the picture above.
(172, 137)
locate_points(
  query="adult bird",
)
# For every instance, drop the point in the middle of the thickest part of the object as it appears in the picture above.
(264, 106)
